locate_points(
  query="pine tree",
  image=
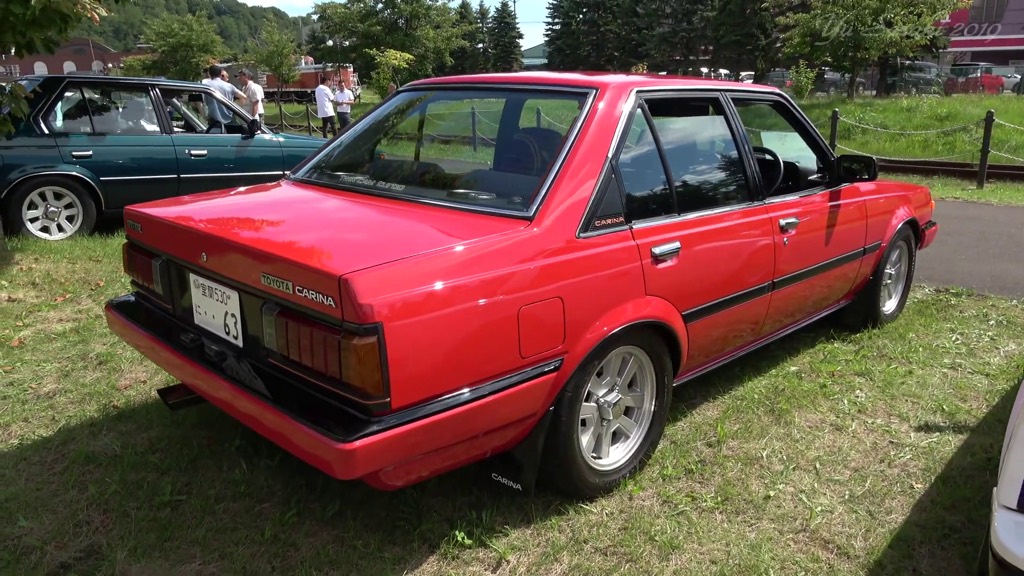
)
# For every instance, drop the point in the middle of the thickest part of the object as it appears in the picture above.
(469, 59)
(504, 36)
(483, 19)
(560, 36)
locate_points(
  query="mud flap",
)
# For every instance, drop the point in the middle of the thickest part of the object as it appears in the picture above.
(517, 469)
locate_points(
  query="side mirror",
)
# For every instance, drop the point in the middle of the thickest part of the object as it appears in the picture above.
(856, 168)
(254, 127)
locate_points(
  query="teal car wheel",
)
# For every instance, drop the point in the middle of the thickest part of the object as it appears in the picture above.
(51, 208)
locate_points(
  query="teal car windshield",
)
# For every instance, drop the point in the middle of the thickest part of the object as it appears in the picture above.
(484, 148)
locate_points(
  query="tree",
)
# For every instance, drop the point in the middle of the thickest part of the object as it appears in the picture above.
(745, 36)
(183, 46)
(33, 27)
(483, 19)
(274, 51)
(851, 34)
(562, 35)
(469, 59)
(425, 29)
(389, 66)
(504, 36)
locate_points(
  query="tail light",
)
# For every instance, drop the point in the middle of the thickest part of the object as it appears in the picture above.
(340, 359)
(146, 270)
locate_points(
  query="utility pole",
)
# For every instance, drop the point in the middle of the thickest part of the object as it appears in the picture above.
(514, 7)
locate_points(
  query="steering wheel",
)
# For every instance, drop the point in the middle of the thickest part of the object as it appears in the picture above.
(780, 168)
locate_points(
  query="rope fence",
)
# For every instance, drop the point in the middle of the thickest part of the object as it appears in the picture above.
(974, 161)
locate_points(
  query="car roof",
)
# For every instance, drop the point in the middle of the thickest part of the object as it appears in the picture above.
(597, 80)
(116, 79)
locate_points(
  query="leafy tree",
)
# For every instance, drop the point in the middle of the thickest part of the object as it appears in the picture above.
(389, 66)
(274, 51)
(183, 46)
(236, 23)
(33, 27)
(852, 34)
(425, 29)
(504, 36)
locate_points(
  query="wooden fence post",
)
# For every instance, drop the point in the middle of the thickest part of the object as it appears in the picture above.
(986, 147)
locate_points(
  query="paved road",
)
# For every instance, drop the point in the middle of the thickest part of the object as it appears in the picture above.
(979, 246)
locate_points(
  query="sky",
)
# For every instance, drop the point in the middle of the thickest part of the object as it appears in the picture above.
(531, 14)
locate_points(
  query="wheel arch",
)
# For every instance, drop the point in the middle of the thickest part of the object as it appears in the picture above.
(91, 183)
(649, 313)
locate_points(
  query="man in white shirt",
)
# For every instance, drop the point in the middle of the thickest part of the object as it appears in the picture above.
(344, 99)
(324, 109)
(253, 93)
(217, 114)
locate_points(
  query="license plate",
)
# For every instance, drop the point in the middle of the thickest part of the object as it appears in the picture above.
(216, 308)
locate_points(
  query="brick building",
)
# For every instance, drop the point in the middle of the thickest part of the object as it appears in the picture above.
(75, 55)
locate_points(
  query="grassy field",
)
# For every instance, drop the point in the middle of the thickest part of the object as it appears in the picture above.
(896, 115)
(828, 452)
(944, 188)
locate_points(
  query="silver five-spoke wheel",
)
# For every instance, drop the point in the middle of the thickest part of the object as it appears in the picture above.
(52, 213)
(617, 408)
(894, 278)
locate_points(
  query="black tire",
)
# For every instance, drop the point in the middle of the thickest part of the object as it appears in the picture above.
(867, 309)
(564, 466)
(15, 203)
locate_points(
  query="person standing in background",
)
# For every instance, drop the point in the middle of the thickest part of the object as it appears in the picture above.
(217, 114)
(253, 93)
(344, 99)
(324, 109)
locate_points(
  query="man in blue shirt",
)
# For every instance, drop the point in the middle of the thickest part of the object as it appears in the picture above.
(217, 114)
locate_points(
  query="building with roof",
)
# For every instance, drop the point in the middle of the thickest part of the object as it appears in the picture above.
(75, 55)
(535, 58)
(989, 31)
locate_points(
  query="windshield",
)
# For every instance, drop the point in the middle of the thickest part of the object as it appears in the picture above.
(484, 148)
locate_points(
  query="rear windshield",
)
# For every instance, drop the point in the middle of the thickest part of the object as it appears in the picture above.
(483, 148)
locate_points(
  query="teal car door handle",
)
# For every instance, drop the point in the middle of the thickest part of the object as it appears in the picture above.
(196, 153)
(82, 154)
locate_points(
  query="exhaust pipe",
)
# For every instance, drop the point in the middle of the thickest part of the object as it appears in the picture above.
(179, 396)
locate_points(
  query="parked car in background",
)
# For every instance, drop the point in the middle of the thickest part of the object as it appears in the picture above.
(95, 144)
(746, 77)
(829, 82)
(1010, 82)
(912, 77)
(1003, 549)
(441, 307)
(781, 79)
(973, 78)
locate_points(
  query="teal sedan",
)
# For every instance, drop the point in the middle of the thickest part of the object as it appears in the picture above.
(95, 144)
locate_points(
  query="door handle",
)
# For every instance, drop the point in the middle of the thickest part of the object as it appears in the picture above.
(196, 153)
(665, 251)
(82, 155)
(788, 224)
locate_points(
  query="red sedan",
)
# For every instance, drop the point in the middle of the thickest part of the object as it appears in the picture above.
(520, 265)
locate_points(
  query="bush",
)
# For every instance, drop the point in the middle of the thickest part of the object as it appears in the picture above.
(802, 77)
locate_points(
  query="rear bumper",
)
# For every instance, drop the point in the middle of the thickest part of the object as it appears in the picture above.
(388, 452)
(928, 233)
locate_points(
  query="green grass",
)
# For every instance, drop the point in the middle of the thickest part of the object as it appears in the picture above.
(921, 114)
(827, 452)
(946, 188)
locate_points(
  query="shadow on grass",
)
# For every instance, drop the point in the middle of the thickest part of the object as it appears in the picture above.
(944, 531)
(142, 489)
